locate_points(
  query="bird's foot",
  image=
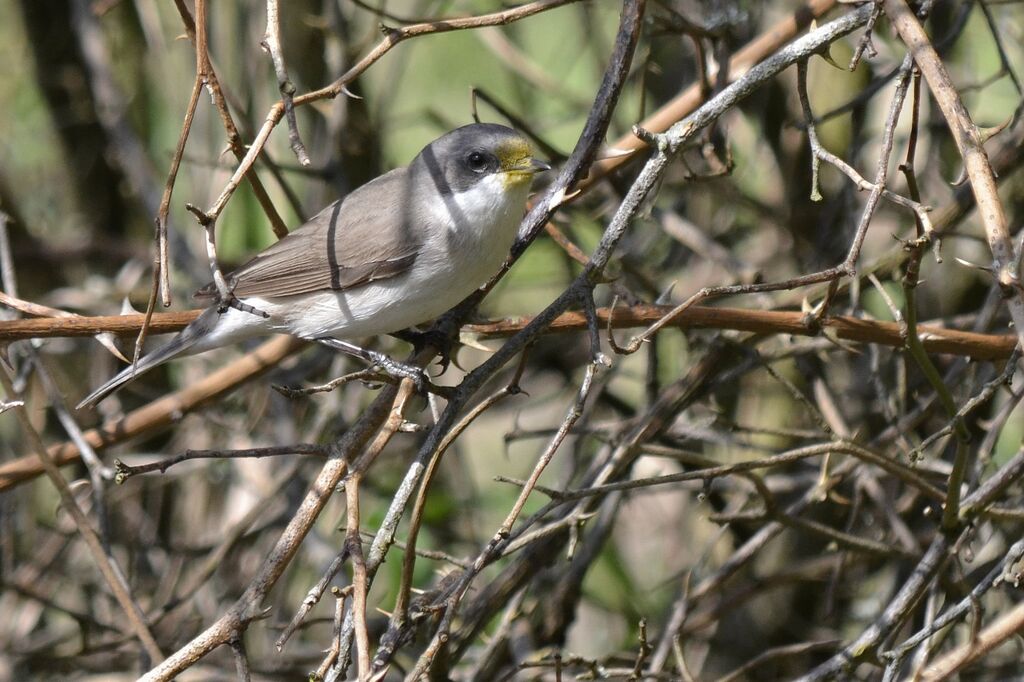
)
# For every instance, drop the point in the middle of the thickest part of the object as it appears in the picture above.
(400, 370)
(388, 365)
(437, 338)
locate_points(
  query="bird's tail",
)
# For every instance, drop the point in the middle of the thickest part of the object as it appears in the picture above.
(182, 344)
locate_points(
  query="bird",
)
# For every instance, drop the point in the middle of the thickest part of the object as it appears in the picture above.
(394, 253)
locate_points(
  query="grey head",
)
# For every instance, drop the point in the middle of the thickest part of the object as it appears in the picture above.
(458, 160)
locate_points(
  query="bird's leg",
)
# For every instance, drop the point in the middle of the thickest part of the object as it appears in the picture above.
(245, 307)
(232, 301)
(389, 365)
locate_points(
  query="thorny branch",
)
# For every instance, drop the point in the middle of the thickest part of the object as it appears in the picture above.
(936, 339)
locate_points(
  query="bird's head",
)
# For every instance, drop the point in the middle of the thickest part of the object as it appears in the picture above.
(459, 160)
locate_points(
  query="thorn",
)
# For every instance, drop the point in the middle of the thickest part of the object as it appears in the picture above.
(127, 308)
(826, 54)
(470, 340)
(569, 196)
(106, 340)
(665, 297)
(557, 199)
(976, 266)
(615, 153)
(961, 179)
(988, 133)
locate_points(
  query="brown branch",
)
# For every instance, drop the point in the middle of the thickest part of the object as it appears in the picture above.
(559, 237)
(935, 339)
(711, 472)
(119, 325)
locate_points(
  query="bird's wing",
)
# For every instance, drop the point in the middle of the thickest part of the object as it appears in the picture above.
(370, 235)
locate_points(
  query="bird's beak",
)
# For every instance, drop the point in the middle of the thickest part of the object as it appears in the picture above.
(530, 165)
(538, 166)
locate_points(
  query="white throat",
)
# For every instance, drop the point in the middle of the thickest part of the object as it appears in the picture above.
(487, 207)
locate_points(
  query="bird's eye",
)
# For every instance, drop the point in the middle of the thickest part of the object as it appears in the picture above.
(477, 161)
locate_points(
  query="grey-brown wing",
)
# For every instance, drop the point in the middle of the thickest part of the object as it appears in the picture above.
(370, 235)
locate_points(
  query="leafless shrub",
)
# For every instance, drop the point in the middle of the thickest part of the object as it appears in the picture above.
(818, 477)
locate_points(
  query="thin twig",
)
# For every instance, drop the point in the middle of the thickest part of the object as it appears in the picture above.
(272, 44)
(123, 471)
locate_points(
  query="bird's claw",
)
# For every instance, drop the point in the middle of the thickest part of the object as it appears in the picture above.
(433, 337)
